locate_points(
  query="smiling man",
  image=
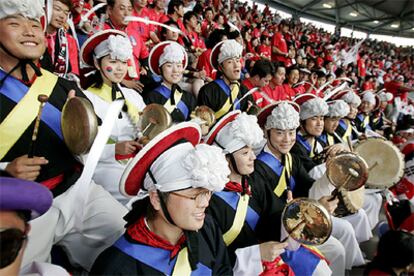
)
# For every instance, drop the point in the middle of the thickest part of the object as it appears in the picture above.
(167, 231)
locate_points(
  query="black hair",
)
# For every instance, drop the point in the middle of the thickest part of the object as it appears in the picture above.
(262, 68)
(291, 68)
(215, 37)
(163, 32)
(277, 64)
(142, 208)
(395, 250)
(174, 4)
(95, 79)
(188, 15)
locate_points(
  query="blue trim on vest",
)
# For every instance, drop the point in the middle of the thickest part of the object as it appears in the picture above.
(157, 258)
(302, 261)
(361, 118)
(324, 138)
(232, 198)
(343, 125)
(303, 142)
(15, 90)
(276, 166)
(166, 93)
(223, 85)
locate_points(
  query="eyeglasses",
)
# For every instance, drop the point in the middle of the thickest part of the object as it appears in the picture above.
(11, 241)
(198, 198)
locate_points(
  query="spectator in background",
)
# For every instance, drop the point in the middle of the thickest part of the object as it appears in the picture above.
(279, 45)
(62, 48)
(260, 76)
(395, 255)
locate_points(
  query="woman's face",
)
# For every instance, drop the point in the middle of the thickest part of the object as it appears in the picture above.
(244, 160)
(172, 73)
(113, 70)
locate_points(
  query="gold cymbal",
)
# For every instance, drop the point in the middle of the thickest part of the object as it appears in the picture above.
(154, 120)
(79, 125)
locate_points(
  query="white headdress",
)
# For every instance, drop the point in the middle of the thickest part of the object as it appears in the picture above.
(284, 117)
(185, 166)
(313, 107)
(351, 98)
(368, 97)
(338, 108)
(32, 9)
(117, 46)
(229, 49)
(242, 131)
(174, 53)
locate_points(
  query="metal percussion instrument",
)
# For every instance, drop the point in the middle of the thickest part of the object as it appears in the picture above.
(307, 221)
(348, 172)
(154, 119)
(79, 125)
(206, 114)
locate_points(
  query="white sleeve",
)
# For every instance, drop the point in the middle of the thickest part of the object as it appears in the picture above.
(108, 153)
(318, 171)
(249, 261)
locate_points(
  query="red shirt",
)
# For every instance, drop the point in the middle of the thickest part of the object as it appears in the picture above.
(204, 63)
(196, 41)
(362, 71)
(139, 49)
(278, 93)
(279, 42)
(265, 51)
(143, 29)
(367, 86)
(289, 91)
(72, 49)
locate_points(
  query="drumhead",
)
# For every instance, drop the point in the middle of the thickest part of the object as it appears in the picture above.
(347, 171)
(79, 125)
(352, 201)
(307, 221)
(385, 162)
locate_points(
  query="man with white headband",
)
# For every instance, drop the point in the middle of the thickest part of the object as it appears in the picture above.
(225, 93)
(338, 109)
(368, 104)
(284, 173)
(169, 60)
(252, 236)
(346, 127)
(167, 231)
(52, 164)
(108, 51)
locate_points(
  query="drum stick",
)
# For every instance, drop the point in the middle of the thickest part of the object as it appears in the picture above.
(335, 193)
(348, 139)
(373, 166)
(42, 99)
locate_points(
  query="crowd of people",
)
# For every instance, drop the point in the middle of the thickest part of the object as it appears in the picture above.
(204, 196)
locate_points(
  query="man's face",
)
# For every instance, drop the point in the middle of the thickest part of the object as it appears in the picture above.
(140, 3)
(186, 213)
(281, 141)
(180, 11)
(119, 11)
(314, 126)
(209, 15)
(59, 15)
(22, 37)
(231, 68)
(331, 124)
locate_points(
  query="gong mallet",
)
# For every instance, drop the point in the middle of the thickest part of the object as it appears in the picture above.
(43, 100)
(351, 173)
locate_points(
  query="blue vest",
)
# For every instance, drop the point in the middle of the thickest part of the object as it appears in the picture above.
(166, 93)
(154, 257)
(276, 166)
(15, 90)
(232, 199)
